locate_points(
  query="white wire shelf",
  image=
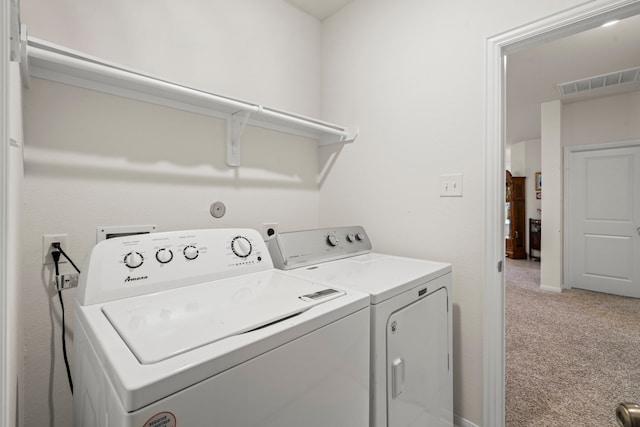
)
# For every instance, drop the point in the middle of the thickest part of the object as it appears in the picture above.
(56, 63)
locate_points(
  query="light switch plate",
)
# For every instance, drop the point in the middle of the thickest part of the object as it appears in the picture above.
(451, 185)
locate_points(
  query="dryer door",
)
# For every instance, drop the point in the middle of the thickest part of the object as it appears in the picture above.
(418, 392)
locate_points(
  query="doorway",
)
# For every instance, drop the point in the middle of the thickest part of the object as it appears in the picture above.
(566, 23)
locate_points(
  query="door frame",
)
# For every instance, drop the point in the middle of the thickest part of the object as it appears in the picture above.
(568, 151)
(572, 21)
(4, 209)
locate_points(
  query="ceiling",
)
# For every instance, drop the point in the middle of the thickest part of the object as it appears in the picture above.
(321, 9)
(534, 73)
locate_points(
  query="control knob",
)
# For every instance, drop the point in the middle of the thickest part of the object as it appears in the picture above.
(332, 240)
(359, 236)
(351, 237)
(241, 246)
(164, 255)
(190, 252)
(133, 259)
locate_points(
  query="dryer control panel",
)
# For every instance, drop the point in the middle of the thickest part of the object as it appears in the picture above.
(301, 248)
(145, 263)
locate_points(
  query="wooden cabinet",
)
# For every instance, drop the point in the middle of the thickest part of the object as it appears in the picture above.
(515, 213)
(535, 235)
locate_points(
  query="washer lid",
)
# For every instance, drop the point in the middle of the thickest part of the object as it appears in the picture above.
(159, 326)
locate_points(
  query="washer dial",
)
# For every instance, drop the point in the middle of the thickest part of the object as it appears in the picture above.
(241, 246)
(164, 256)
(190, 252)
(133, 259)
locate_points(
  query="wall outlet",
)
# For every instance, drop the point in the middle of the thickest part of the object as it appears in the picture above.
(451, 185)
(269, 229)
(47, 240)
(67, 281)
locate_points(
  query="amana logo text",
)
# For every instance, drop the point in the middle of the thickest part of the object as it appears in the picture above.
(133, 279)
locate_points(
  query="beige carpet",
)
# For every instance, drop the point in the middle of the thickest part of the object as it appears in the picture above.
(571, 356)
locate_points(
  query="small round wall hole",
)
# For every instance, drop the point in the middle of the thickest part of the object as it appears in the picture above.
(218, 210)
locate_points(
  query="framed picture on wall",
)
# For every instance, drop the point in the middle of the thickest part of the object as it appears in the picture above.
(538, 181)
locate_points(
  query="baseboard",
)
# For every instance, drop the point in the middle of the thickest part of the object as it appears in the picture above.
(551, 288)
(461, 422)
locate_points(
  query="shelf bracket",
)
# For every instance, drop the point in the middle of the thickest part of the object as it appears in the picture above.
(235, 127)
(24, 57)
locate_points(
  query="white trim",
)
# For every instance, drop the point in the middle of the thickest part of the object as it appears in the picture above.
(560, 25)
(568, 151)
(493, 322)
(4, 203)
(601, 146)
(462, 422)
(551, 289)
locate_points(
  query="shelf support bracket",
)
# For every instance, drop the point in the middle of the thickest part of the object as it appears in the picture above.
(235, 127)
(24, 57)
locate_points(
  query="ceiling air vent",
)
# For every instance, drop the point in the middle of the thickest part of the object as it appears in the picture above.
(605, 80)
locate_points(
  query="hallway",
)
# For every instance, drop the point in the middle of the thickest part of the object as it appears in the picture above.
(570, 356)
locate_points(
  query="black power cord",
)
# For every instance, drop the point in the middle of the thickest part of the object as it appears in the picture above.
(56, 259)
(57, 246)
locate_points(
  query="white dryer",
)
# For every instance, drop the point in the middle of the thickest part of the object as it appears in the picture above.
(196, 328)
(411, 319)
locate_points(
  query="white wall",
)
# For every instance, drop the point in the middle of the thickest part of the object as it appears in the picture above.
(260, 51)
(552, 205)
(93, 159)
(518, 159)
(14, 314)
(533, 165)
(611, 119)
(411, 73)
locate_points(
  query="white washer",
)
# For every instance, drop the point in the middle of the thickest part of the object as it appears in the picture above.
(196, 328)
(411, 319)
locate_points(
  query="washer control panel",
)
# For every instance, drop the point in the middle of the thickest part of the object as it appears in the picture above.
(145, 263)
(301, 248)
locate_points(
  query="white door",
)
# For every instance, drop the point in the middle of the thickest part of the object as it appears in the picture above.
(418, 393)
(604, 220)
